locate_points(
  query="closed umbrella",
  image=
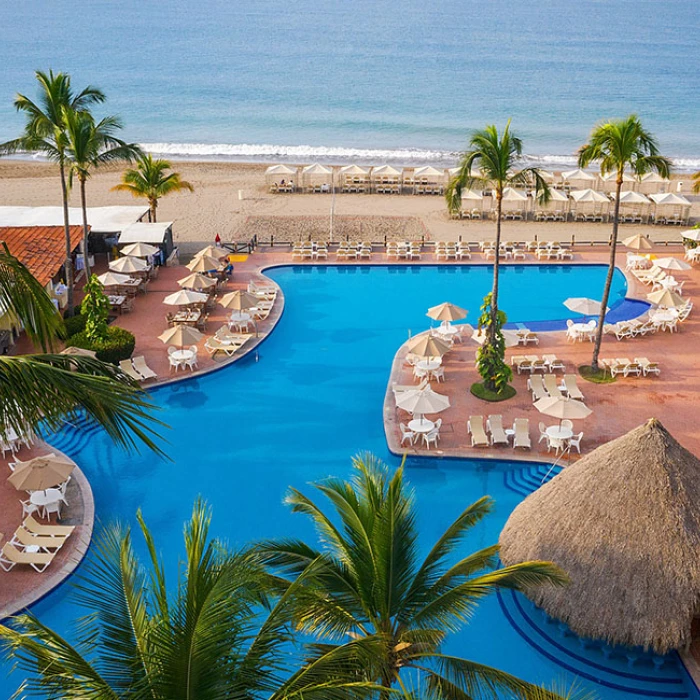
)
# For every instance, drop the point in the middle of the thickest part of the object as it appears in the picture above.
(181, 335)
(204, 263)
(582, 305)
(127, 264)
(667, 299)
(672, 264)
(562, 408)
(185, 297)
(139, 250)
(197, 282)
(422, 402)
(446, 312)
(112, 279)
(511, 337)
(239, 301)
(427, 346)
(638, 242)
(41, 473)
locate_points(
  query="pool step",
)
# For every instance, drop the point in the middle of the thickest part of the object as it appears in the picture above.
(74, 437)
(528, 478)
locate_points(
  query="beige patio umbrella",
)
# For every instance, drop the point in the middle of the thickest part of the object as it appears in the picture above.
(672, 264)
(582, 305)
(139, 250)
(127, 264)
(511, 337)
(112, 279)
(667, 299)
(638, 242)
(185, 297)
(427, 346)
(180, 335)
(213, 251)
(423, 401)
(197, 282)
(692, 234)
(204, 263)
(446, 312)
(562, 407)
(41, 473)
(239, 301)
(78, 352)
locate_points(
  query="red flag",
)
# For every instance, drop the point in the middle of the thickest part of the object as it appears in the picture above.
(217, 240)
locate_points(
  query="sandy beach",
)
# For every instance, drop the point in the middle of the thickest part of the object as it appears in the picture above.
(216, 207)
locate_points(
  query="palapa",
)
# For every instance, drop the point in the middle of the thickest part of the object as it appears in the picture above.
(624, 523)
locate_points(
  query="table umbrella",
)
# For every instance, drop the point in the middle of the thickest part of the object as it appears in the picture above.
(197, 282)
(562, 407)
(672, 264)
(446, 312)
(427, 346)
(181, 335)
(41, 473)
(582, 305)
(112, 279)
(204, 263)
(239, 301)
(667, 299)
(423, 401)
(213, 251)
(638, 242)
(128, 264)
(511, 337)
(139, 250)
(185, 297)
(692, 234)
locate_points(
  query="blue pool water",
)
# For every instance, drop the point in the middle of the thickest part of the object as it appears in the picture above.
(310, 398)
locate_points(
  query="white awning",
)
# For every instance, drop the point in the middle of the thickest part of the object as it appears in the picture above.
(145, 233)
(100, 219)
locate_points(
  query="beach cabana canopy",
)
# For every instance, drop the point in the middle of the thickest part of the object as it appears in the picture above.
(610, 181)
(577, 175)
(316, 174)
(276, 171)
(430, 173)
(386, 170)
(354, 171)
(471, 196)
(557, 200)
(632, 198)
(653, 183)
(588, 195)
(513, 195)
(669, 199)
(624, 523)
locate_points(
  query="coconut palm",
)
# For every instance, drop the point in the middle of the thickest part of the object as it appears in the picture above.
(495, 157)
(217, 634)
(150, 180)
(47, 388)
(696, 182)
(369, 584)
(618, 145)
(44, 132)
(89, 145)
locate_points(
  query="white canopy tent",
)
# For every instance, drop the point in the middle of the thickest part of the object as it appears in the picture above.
(276, 174)
(558, 204)
(609, 182)
(589, 205)
(670, 208)
(578, 179)
(428, 180)
(317, 178)
(653, 183)
(354, 177)
(472, 202)
(514, 201)
(386, 179)
(634, 206)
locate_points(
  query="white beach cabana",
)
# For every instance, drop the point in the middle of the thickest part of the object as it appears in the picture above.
(653, 183)
(634, 207)
(472, 205)
(589, 205)
(609, 182)
(354, 178)
(317, 178)
(428, 180)
(578, 179)
(557, 209)
(670, 208)
(515, 204)
(386, 179)
(281, 178)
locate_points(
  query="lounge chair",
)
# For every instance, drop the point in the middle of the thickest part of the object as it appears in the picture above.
(553, 363)
(521, 437)
(36, 528)
(214, 345)
(11, 556)
(142, 368)
(618, 366)
(571, 387)
(647, 366)
(536, 385)
(494, 424)
(475, 426)
(128, 369)
(551, 385)
(22, 539)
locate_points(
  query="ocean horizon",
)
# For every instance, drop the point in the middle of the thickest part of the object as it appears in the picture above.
(367, 81)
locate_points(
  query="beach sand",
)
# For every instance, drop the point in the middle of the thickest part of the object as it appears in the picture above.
(215, 207)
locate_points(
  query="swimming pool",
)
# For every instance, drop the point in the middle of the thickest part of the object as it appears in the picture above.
(308, 399)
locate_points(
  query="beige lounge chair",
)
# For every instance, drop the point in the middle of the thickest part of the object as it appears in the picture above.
(551, 385)
(31, 525)
(494, 424)
(142, 368)
(571, 386)
(647, 366)
(128, 369)
(536, 385)
(22, 539)
(214, 345)
(11, 556)
(521, 438)
(475, 426)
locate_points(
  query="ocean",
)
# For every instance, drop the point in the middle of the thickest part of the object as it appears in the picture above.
(367, 80)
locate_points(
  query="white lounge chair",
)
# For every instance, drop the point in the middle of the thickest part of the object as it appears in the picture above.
(142, 368)
(475, 426)
(521, 437)
(494, 424)
(128, 369)
(571, 387)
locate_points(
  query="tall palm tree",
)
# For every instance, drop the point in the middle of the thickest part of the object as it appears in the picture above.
(218, 634)
(44, 132)
(89, 145)
(150, 181)
(618, 145)
(495, 157)
(696, 182)
(368, 583)
(46, 388)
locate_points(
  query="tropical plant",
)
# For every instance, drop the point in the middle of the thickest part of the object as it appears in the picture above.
(118, 344)
(494, 157)
(151, 181)
(45, 133)
(618, 145)
(696, 182)
(367, 583)
(46, 388)
(218, 634)
(95, 308)
(490, 357)
(89, 145)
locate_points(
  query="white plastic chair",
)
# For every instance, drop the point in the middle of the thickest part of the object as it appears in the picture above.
(192, 362)
(431, 437)
(575, 441)
(53, 508)
(29, 508)
(406, 434)
(567, 424)
(543, 433)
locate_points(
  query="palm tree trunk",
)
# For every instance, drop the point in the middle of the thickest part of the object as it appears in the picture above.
(83, 202)
(609, 278)
(153, 203)
(494, 291)
(68, 264)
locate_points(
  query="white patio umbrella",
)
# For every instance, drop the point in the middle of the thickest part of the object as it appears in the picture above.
(212, 251)
(638, 242)
(672, 264)
(203, 263)
(562, 407)
(139, 250)
(127, 264)
(112, 279)
(511, 337)
(692, 234)
(185, 297)
(446, 312)
(582, 305)
(423, 401)
(665, 298)
(239, 301)
(180, 335)
(427, 346)
(197, 282)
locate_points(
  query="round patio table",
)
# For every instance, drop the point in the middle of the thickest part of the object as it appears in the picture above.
(240, 316)
(418, 425)
(182, 355)
(429, 365)
(557, 432)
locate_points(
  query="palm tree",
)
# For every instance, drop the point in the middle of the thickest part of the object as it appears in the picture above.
(495, 157)
(218, 634)
(367, 583)
(618, 145)
(44, 132)
(89, 145)
(696, 182)
(45, 388)
(149, 180)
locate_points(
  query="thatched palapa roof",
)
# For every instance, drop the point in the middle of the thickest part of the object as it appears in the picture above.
(624, 523)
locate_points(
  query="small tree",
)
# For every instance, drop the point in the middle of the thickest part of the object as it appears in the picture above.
(95, 308)
(490, 356)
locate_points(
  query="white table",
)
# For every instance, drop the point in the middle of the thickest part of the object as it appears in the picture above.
(669, 284)
(182, 355)
(421, 425)
(664, 316)
(41, 499)
(240, 316)
(429, 365)
(557, 432)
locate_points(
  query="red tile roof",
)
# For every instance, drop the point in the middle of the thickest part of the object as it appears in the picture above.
(41, 248)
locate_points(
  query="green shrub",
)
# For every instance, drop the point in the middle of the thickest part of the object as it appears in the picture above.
(75, 324)
(481, 392)
(119, 344)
